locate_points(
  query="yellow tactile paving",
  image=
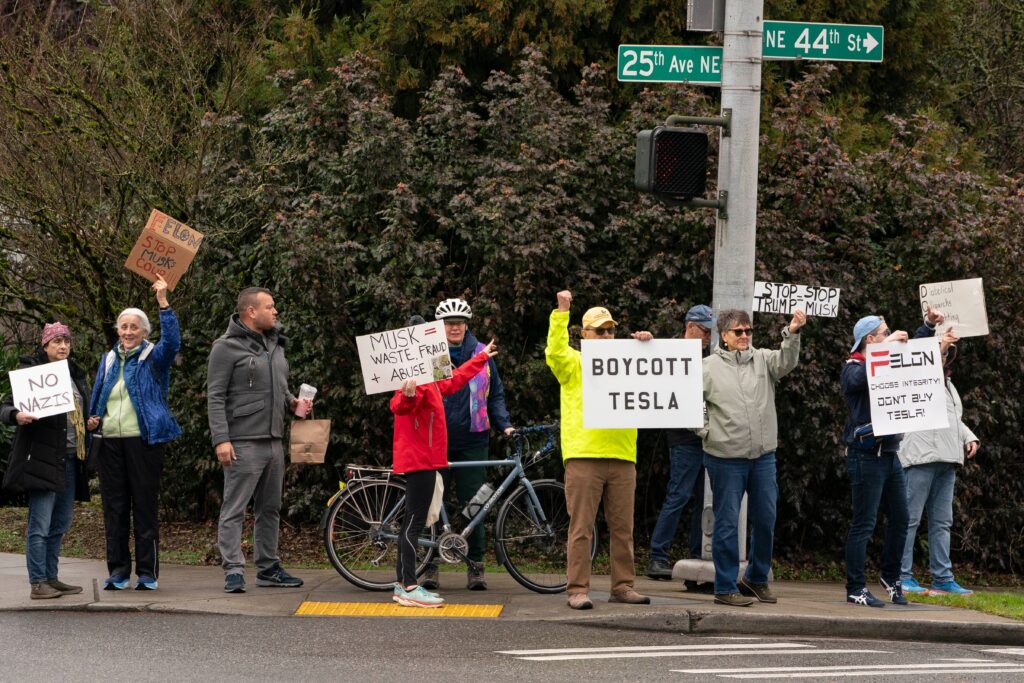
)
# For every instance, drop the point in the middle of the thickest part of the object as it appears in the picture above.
(391, 609)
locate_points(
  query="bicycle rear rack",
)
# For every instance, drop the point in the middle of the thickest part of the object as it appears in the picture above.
(354, 473)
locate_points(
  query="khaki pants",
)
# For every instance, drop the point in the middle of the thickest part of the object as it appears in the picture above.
(588, 481)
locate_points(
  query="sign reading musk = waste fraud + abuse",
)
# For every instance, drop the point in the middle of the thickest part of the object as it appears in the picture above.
(389, 358)
(651, 384)
(905, 385)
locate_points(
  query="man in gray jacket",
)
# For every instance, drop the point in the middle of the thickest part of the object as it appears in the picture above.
(929, 462)
(246, 397)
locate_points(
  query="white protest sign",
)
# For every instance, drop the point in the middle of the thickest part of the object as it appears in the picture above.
(905, 385)
(653, 384)
(389, 358)
(963, 304)
(43, 390)
(778, 297)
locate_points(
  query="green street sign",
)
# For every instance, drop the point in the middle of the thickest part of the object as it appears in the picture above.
(670, 64)
(823, 42)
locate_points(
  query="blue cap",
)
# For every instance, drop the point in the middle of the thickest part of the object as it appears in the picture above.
(700, 314)
(863, 328)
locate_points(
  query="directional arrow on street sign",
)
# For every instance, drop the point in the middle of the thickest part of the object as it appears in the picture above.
(823, 42)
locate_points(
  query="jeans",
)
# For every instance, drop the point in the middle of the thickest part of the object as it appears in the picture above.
(686, 470)
(875, 481)
(930, 486)
(730, 479)
(49, 518)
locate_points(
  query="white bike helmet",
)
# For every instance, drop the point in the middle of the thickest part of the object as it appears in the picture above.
(453, 308)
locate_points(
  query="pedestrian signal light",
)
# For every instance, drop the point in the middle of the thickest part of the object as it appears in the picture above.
(672, 162)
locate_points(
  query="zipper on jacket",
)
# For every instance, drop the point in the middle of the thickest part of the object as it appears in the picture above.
(252, 370)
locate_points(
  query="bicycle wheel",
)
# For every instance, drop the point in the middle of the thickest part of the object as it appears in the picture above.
(535, 557)
(352, 534)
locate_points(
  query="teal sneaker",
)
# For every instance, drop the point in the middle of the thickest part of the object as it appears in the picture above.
(417, 597)
(116, 582)
(398, 588)
(912, 586)
(146, 583)
(951, 587)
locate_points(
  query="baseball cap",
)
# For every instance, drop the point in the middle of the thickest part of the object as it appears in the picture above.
(700, 314)
(597, 316)
(863, 328)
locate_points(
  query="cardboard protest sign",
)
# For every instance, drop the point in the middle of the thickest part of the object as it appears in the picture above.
(777, 297)
(43, 390)
(906, 386)
(166, 247)
(652, 384)
(389, 358)
(963, 304)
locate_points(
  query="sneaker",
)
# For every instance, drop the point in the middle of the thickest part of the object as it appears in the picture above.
(145, 583)
(864, 597)
(708, 588)
(475, 577)
(734, 599)
(895, 591)
(912, 586)
(64, 588)
(417, 597)
(44, 591)
(761, 591)
(429, 579)
(629, 597)
(277, 577)
(951, 587)
(580, 601)
(234, 583)
(659, 570)
(115, 582)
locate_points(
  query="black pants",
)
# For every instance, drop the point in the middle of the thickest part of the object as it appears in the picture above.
(130, 473)
(419, 490)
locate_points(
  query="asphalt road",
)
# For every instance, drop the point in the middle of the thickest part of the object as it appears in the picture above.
(47, 646)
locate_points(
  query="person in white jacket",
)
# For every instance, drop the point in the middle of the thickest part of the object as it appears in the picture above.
(929, 462)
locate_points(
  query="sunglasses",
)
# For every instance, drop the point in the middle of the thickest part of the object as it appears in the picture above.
(743, 331)
(602, 331)
(883, 333)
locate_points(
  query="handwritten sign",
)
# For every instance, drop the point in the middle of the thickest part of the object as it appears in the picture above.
(43, 390)
(963, 304)
(652, 384)
(166, 247)
(389, 358)
(905, 385)
(778, 297)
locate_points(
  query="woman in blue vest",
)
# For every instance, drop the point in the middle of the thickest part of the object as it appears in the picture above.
(470, 413)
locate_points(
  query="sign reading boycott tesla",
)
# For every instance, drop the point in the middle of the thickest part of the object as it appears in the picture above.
(652, 384)
(389, 358)
(166, 247)
(905, 384)
(777, 297)
(43, 390)
(962, 302)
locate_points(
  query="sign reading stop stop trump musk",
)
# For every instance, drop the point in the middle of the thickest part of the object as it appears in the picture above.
(389, 358)
(905, 385)
(652, 384)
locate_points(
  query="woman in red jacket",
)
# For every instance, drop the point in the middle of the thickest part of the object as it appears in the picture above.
(420, 450)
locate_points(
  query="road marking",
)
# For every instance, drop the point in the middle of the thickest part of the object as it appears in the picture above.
(692, 653)
(390, 609)
(1007, 650)
(885, 672)
(647, 648)
(855, 670)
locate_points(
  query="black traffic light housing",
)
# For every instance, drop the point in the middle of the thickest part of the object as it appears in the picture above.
(672, 162)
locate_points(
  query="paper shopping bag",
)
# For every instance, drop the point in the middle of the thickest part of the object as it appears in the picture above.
(309, 440)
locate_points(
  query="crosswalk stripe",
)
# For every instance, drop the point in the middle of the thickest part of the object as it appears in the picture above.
(869, 668)
(690, 653)
(1008, 669)
(1007, 650)
(650, 648)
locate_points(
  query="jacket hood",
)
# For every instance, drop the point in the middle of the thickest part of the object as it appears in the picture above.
(237, 329)
(735, 357)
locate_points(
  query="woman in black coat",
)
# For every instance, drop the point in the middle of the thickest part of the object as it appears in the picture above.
(48, 462)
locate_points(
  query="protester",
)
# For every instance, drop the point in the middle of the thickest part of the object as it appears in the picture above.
(930, 460)
(469, 413)
(129, 400)
(600, 464)
(47, 462)
(420, 452)
(686, 473)
(876, 476)
(740, 439)
(247, 397)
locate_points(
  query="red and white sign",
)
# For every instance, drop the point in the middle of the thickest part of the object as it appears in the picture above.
(905, 383)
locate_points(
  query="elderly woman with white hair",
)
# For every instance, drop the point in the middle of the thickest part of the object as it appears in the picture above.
(129, 405)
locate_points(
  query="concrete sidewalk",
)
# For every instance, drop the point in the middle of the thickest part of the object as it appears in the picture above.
(804, 608)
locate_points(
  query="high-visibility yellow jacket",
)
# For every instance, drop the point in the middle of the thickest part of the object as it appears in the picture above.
(578, 442)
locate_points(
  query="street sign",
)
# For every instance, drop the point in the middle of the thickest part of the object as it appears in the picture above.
(670, 64)
(825, 42)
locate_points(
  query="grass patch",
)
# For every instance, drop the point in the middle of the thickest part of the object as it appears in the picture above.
(999, 603)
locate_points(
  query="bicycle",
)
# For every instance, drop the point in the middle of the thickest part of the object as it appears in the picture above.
(363, 519)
